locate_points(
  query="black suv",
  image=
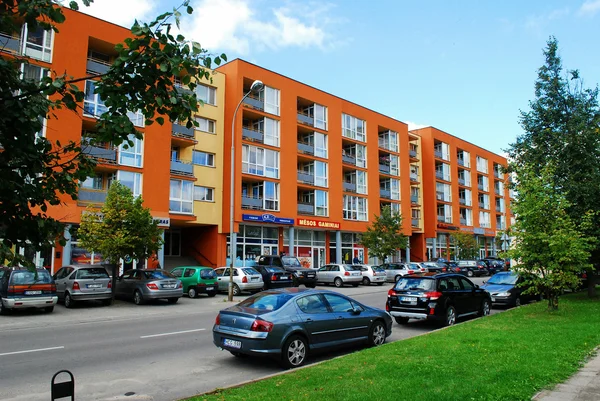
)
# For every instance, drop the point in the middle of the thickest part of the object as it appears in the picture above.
(440, 297)
(291, 264)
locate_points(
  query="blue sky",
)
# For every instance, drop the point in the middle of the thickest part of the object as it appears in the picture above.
(465, 67)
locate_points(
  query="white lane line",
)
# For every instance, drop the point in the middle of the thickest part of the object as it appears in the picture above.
(31, 350)
(170, 334)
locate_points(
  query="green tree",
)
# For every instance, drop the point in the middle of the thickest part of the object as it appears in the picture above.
(562, 128)
(549, 248)
(384, 236)
(467, 245)
(35, 172)
(122, 227)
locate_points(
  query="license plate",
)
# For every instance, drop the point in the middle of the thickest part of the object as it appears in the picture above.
(254, 278)
(311, 275)
(210, 288)
(169, 286)
(94, 286)
(410, 300)
(232, 343)
(33, 292)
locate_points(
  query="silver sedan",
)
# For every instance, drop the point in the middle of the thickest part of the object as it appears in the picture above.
(142, 285)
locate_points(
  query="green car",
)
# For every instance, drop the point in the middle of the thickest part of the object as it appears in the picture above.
(197, 280)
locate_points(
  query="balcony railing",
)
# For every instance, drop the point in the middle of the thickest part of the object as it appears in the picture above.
(497, 191)
(499, 209)
(414, 177)
(97, 66)
(500, 226)
(182, 131)
(483, 205)
(349, 187)
(306, 178)
(383, 168)
(460, 161)
(440, 175)
(252, 135)
(444, 219)
(462, 201)
(412, 153)
(103, 154)
(349, 159)
(306, 148)
(437, 154)
(181, 167)
(480, 186)
(254, 103)
(10, 43)
(461, 181)
(415, 222)
(414, 199)
(182, 90)
(463, 221)
(92, 196)
(384, 193)
(305, 119)
(306, 208)
(249, 202)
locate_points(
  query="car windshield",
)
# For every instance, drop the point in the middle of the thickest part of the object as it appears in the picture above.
(158, 274)
(26, 277)
(207, 273)
(265, 301)
(249, 271)
(92, 273)
(412, 283)
(503, 279)
(290, 261)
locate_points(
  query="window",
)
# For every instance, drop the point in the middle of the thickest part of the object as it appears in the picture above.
(131, 180)
(259, 161)
(442, 150)
(361, 182)
(354, 128)
(203, 158)
(320, 145)
(361, 156)
(444, 213)
(180, 196)
(271, 195)
(93, 106)
(271, 132)
(312, 304)
(38, 43)
(321, 208)
(320, 116)
(204, 194)
(206, 125)
(444, 192)
(339, 303)
(484, 219)
(389, 140)
(137, 118)
(482, 165)
(395, 189)
(271, 100)
(94, 182)
(32, 72)
(207, 94)
(394, 165)
(320, 174)
(131, 155)
(355, 208)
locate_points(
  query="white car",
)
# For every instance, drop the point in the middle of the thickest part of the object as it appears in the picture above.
(339, 275)
(244, 279)
(418, 267)
(372, 274)
(394, 271)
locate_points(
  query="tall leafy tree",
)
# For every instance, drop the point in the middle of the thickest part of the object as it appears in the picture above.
(466, 244)
(36, 172)
(384, 236)
(562, 127)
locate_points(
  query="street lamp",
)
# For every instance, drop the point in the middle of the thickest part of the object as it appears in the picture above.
(256, 86)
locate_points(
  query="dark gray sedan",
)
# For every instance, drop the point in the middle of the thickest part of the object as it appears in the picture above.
(289, 323)
(144, 284)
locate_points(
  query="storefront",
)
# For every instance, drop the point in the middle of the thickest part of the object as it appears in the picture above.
(350, 248)
(309, 247)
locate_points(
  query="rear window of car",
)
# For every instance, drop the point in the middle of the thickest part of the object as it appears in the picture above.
(274, 270)
(379, 269)
(92, 273)
(28, 277)
(207, 273)
(352, 268)
(266, 302)
(415, 283)
(250, 272)
(158, 274)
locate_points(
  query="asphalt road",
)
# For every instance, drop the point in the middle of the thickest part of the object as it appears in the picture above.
(149, 352)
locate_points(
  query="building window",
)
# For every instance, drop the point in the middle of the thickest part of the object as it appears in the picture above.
(320, 174)
(38, 43)
(320, 145)
(271, 132)
(204, 194)
(206, 125)
(482, 165)
(484, 219)
(443, 192)
(355, 208)
(271, 195)
(131, 155)
(207, 94)
(203, 158)
(94, 182)
(321, 208)
(394, 165)
(181, 196)
(131, 180)
(441, 150)
(259, 161)
(354, 128)
(320, 117)
(93, 106)
(444, 213)
(32, 72)
(270, 97)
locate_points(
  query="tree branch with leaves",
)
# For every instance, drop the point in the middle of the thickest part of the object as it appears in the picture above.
(384, 236)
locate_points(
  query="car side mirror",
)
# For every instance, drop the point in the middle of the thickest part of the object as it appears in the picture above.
(476, 287)
(356, 310)
(485, 281)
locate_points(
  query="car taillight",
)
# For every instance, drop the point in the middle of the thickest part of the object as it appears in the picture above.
(346, 273)
(273, 278)
(218, 319)
(76, 285)
(152, 286)
(387, 307)
(443, 269)
(433, 295)
(291, 277)
(262, 326)
(392, 293)
(53, 287)
(109, 286)
(411, 271)
(244, 279)
(180, 285)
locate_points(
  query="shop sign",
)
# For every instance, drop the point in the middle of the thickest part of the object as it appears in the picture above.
(318, 224)
(490, 232)
(479, 231)
(163, 222)
(446, 226)
(267, 218)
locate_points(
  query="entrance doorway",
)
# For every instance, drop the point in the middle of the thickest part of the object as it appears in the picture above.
(318, 256)
(269, 250)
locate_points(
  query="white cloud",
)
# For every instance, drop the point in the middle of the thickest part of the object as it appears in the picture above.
(538, 22)
(244, 25)
(412, 125)
(589, 8)
(121, 12)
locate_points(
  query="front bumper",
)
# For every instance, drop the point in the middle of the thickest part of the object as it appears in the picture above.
(25, 303)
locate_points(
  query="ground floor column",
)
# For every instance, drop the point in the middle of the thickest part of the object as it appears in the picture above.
(338, 247)
(434, 250)
(66, 255)
(161, 252)
(291, 242)
(408, 254)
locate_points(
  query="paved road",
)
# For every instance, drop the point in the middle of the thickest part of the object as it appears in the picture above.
(157, 351)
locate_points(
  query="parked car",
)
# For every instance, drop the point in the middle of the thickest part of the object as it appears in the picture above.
(441, 297)
(434, 267)
(289, 324)
(291, 264)
(21, 288)
(197, 280)
(75, 283)
(339, 275)
(494, 265)
(275, 277)
(418, 267)
(505, 289)
(473, 268)
(142, 285)
(244, 279)
(394, 271)
(372, 274)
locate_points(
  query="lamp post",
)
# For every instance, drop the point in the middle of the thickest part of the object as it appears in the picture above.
(256, 86)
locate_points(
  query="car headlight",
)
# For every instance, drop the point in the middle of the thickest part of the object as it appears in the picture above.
(503, 294)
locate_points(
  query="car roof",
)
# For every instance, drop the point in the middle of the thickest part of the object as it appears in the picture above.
(303, 291)
(192, 267)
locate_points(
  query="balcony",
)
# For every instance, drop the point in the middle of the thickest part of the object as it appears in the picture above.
(182, 131)
(498, 175)
(306, 119)
(349, 187)
(182, 90)
(461, 181)
(306, 178)
(437, 154)
(97, 66)
(480, 186)
(180, 167)
(497, 191)
(462, 201)
(349, 159)
(412, 153)
(383, 168)
(500, 226)
(414, 177)
(306, 208)
(483, 206)
(254, 103)
(499, 209)
(384, 193)
(463, 221)
(414, 222)
(414, 199)
(249, 202)
(444, 219)
(103, 154)
(92, 196)
(460, 161)
(9, 43)
(306, 148)
(440, 175)
(252, 135)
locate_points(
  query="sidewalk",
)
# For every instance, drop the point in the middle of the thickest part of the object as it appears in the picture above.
(582, 386)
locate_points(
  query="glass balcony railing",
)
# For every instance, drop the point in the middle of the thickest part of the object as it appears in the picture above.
(305, 148)
(306, 208)
(306, 178)
(349, 187)
(306, 119)
(182, 167)
(249, 202)
(92, 195)
(252, 135)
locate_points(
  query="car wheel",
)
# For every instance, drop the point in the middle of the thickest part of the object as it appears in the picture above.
(192, 292)
(294, 353)
(380, 284)
(366, 281)
(401, 320)
(137, 298)
(69, 303)
(450, 316)
(236, 289)
(212, 294)
(470, 273)
(173, 300)
(3, 310)
(518, 302)
(49, 309)
(107, 302)
(377, 334)
(338, 282)
(485, 308)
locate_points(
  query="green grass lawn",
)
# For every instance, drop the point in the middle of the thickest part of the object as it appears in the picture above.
(508, 356)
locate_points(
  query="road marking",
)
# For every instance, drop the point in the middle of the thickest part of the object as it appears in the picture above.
(31, 350)
(170, 334)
